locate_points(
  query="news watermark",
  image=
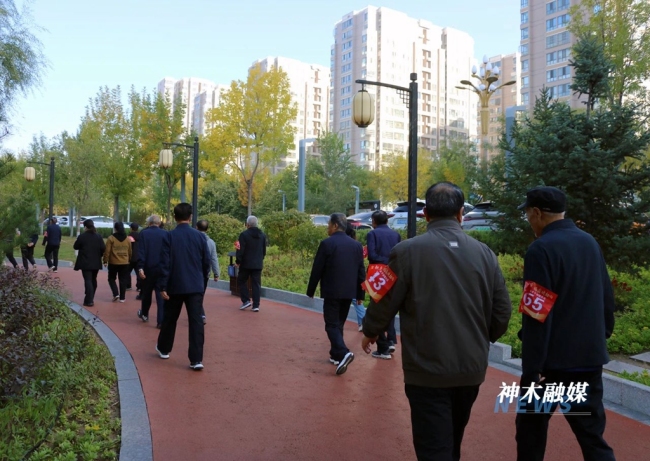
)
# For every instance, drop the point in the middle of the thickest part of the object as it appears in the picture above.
(551, 396)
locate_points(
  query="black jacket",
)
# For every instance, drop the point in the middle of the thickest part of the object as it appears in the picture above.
(91, 248)
(568, 262)
(339, 268)
(252, 249)
(381, 240)
(52, 235)
(150, 243)
(133, 237)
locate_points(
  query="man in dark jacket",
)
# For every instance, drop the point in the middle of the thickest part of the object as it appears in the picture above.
(27, 252)
(339, 268)
(52, 240)
(453, 301)
(185, 263)
(150, 243)
(381, 241)
(134, 235)
(90, 246)
(568, 313)
(250, 259)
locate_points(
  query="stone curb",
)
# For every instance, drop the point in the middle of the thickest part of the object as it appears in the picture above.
(136, 443)
(618, 391)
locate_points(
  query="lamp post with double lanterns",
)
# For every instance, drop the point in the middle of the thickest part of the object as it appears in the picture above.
(166, 160)
(488, 77)
(363, 114)
(30, 175)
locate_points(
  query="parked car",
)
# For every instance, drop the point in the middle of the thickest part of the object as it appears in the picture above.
(361, 219)
(402, 209)
(483, 217)
(60, 221)
(320, 219)
(100, 221)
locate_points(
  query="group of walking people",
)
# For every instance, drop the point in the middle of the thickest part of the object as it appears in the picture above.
(51, 242)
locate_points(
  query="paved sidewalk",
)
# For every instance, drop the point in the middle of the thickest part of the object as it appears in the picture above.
(268, 392)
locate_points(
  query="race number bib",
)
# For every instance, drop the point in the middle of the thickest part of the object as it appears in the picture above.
(379, 280)
(536, 301)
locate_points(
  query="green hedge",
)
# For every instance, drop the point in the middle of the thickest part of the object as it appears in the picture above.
(224, 230)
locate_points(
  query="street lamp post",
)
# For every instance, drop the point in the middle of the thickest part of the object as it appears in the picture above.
(356, 199)
(167, 159)
(30, 175)
(487, 76)
(284, 201)
(363, 113)
(301, 172)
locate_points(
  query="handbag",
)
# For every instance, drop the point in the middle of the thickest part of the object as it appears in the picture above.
(233, 270)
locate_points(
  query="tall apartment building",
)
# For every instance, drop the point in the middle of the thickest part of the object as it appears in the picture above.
(203, 102)
(509, 96)
(185, 90)
(380, 44)
(310, 91)
(545, 51)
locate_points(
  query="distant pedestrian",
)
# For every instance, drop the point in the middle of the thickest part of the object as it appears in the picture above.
(381, 240)
(202, 226)
(250, 259)
(133, 237)
(91, 247)
(52, 240)
(568, 314)
(358, 306)
(453, 301)
(150, 244)
(339, 268)
(185, 264)
(9, 253)
(27, 251)
(118, 256)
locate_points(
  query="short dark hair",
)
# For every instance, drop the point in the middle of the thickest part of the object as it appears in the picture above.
(134, 226)
(444, 199)
(338, 220)
(182, 211)
(202, 225)
(119, 227)
(380, 217)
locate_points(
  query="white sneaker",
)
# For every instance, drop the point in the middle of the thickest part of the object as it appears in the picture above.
(197, 366)
(245, 305)
(334, 362)
(360, 327)
(162, 356)
(343, 366)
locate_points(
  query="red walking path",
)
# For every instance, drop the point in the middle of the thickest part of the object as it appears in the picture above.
(268, 392)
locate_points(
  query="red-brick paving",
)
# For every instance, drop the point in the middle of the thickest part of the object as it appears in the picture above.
(268, 392)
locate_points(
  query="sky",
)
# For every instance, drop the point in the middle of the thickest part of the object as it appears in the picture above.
(91, 44)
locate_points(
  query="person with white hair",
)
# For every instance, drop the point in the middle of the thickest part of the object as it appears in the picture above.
(250, 260)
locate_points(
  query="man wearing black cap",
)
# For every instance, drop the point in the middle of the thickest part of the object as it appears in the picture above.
(568, 313)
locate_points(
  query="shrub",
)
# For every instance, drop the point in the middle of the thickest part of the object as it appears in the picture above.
(224, 230)
(305, 238)
(276, 226)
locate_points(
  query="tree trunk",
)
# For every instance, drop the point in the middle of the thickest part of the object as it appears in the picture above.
(116, 209)
(183, 187)
(249, 184)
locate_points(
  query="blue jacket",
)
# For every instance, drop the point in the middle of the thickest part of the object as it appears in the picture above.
(380, 241)
(149, 249)
(339, 268)
(52, 235)
(184, 262)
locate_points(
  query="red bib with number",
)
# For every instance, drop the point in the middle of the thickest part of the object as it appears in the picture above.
(379, 280)
(536, 301)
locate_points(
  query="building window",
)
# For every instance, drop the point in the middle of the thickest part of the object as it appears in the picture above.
(524, 65)
(347, 24)
(347, 56)
(557, 39)
(524, 17)
(524, 3)
(524, 33)
(560, 91)
(364, 38)
(345, 113)
(557, 22)
(347, 45)
(523, 49)
(346, 79)
(525, 98)
(525, 82)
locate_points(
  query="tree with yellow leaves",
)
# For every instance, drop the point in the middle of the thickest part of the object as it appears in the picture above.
(251, 128)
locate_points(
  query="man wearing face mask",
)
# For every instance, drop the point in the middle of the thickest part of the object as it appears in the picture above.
(568, 313)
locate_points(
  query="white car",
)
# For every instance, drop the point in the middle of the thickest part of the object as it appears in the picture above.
(100, 221)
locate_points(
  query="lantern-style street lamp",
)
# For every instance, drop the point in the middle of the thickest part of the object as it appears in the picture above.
(166, 160)
(30, 175)
(363, 114)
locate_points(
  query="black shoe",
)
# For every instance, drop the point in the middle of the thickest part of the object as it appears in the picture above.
(138, 298)
(89, 304)
(196, 366)
(204, 320)
(159, 326)
(128, 289)
(343, 366)
(381, 355)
